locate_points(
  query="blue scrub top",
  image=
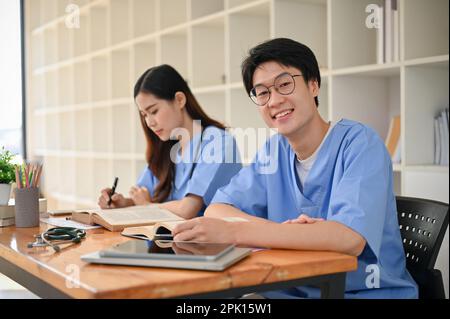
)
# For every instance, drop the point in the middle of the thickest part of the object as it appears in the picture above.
(210, 160)
(351, 183)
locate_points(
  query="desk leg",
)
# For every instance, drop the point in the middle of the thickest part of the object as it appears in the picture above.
(334, 288)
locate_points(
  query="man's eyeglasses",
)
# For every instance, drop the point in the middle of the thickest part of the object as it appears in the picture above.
(283, 84)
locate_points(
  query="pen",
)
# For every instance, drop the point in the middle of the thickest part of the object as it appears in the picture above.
(113, 190)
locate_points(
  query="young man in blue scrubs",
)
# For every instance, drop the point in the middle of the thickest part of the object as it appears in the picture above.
(314, 186)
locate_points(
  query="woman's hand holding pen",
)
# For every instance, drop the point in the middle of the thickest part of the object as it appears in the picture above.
(140, 195)
(117, 200)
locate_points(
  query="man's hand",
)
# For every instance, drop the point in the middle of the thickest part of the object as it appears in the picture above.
(205, 229)
(140, 195)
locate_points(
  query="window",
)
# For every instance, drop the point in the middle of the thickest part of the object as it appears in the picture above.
(11, 88)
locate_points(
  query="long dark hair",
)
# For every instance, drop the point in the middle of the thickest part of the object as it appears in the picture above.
(163, 82)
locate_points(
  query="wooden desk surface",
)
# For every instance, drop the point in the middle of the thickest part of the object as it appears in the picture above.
(107, 281)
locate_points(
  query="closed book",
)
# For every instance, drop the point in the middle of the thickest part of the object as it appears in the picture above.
(395, 32)
(7, 222)
(437, 142)
(397, 157)
(8, 211)
(445, 141)
(380, 36)
(393, 135)
(441, 140)
(388, 31)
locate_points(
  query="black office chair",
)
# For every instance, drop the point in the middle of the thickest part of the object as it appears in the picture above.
(423, 224)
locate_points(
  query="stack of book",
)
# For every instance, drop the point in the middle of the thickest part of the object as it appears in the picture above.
(7, 212)
(441, 138)
(388, 33)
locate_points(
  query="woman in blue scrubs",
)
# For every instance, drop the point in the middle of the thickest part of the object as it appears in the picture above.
(314, 186)
(189, 155)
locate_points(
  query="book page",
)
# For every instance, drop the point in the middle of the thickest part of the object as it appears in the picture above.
(139, 232)
(149, 231)
(136, 215)
(170, 225)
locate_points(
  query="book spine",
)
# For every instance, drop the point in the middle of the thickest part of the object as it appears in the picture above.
(388, 31)
(7, 222)
(437, 146)
(389, 135)
(397, 157)
(445, 139)
(441, 140)
(396, 31)
(380, 36)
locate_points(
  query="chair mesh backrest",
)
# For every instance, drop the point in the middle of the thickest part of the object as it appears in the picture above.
(422, 226)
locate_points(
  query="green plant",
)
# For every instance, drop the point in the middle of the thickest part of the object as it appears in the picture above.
(7, 169)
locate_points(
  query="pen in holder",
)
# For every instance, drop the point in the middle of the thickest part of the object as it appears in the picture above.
(27, 207)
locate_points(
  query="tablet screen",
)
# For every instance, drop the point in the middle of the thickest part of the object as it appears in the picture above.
(168, 249)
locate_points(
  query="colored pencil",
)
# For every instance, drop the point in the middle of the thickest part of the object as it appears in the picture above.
(27, 181)
(19, 184)
(38, 174)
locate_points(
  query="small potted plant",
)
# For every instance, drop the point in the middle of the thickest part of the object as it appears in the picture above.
(7, 175)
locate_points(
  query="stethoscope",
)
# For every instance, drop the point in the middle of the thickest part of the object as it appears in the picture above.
(56, 236)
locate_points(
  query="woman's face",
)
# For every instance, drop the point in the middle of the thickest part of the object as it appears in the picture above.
(162, 116)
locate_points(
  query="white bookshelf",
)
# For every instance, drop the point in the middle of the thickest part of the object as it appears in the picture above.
(81, 117)
(83, 120)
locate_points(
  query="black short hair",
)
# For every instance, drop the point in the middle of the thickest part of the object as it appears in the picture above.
(286, 52)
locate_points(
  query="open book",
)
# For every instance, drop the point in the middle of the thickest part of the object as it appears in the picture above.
(163, 227)
(119, 218)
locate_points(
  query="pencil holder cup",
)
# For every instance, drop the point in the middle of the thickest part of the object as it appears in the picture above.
(27, 207)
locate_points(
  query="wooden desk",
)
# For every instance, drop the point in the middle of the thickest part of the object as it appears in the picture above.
(65, 275)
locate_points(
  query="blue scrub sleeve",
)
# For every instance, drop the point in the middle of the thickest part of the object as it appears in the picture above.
(360, 200)
(214, 170)
(147, 179)
(246, 191)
